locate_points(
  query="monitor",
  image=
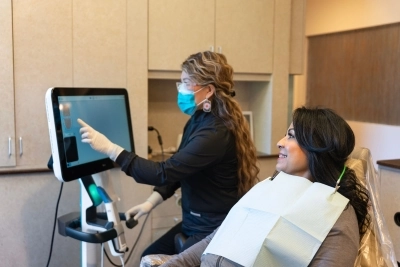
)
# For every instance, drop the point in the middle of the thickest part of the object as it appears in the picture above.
(104, 109)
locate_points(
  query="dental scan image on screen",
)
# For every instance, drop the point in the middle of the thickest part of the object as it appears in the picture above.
(103, 113)
(106, 110)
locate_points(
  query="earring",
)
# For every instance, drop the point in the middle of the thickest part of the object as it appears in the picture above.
(207, 105)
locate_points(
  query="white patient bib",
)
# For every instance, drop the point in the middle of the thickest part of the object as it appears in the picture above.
(278, 223)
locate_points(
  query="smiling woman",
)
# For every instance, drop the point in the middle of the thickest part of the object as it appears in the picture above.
(311, 162)
(292, 159)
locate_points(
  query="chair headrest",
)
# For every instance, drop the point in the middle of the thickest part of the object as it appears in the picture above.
(361, 153)
(359, 166)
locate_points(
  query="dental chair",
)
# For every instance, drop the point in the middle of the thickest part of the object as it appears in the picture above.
(376, 247)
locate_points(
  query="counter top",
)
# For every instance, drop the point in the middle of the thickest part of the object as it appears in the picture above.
(392, 163)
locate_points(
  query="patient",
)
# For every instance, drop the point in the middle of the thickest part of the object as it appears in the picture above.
(315, 147)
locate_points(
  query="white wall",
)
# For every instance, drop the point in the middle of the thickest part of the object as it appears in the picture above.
(330, 16)
(381, 139)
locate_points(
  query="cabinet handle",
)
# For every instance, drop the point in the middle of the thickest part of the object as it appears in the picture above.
(212, 48)
(9, 146)
(20, 146)
(220, 49)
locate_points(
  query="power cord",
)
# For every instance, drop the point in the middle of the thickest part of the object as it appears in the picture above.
(54, 226)
(151, 128)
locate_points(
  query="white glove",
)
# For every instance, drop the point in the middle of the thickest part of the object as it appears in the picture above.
(98, 141)
(144, 208)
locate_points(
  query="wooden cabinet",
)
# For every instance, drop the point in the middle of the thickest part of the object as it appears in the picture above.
(177, 29)
(242, 30)
(48, 43)
(69, 46)
(30, 36)
(42, 35)
(62, 43)
(244, 33)
(7, 134)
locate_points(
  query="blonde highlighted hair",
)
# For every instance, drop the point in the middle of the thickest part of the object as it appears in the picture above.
(209, 68)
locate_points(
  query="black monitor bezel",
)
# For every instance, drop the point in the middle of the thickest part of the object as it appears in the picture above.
(79, 171)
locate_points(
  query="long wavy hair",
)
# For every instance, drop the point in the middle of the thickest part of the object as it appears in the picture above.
(328, 140)
(209, 68)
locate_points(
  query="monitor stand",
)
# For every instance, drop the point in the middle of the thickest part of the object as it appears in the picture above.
(93, 228)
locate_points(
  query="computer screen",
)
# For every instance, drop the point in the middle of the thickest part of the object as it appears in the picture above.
(104, 109)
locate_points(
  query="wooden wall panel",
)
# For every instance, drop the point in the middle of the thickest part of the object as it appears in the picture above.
(357, 73)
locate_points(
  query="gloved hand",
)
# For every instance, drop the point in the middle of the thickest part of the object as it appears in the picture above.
(98, 141)
(144, 208)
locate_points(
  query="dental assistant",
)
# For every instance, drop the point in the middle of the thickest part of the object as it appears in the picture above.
(215, 164)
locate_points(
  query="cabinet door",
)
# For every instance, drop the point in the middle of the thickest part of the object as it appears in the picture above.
(42, 59)
(7, 148)
(99, 43)
(244, 33)
(177, 29)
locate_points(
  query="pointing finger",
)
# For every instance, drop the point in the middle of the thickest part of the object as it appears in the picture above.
(82, 123)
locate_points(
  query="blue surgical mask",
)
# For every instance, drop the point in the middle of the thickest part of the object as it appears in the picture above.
(186, 101)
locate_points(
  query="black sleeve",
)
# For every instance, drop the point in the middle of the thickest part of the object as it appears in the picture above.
(204, 149)
(168, 190)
